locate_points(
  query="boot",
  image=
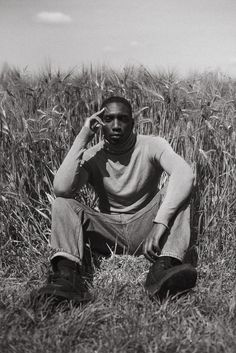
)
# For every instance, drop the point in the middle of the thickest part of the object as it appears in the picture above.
(66, 282)
(168, 276)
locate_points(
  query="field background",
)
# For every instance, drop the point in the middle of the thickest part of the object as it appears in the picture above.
(39, 118)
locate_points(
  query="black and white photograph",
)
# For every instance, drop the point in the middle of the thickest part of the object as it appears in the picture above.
(117, 176)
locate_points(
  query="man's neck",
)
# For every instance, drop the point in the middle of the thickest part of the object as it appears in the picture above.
(121, 148)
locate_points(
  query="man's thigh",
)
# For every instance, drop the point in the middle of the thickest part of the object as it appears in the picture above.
(139, 226)
(103, 233)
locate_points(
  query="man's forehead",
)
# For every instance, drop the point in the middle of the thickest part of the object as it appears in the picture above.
(117, 108)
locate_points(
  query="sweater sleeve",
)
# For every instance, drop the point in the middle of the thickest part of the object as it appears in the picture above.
(180, 182)
(71, 176)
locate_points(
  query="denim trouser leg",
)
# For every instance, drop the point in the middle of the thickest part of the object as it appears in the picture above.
(74, 224)
(175, 241)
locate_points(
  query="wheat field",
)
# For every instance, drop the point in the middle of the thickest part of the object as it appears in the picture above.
(40, 115)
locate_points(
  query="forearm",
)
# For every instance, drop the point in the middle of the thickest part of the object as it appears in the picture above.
(178, 190)
(70, 174)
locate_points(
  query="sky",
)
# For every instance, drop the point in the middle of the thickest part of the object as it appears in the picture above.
(180, 35)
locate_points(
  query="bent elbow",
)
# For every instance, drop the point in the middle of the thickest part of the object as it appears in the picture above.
(61, 193)
(186, 176)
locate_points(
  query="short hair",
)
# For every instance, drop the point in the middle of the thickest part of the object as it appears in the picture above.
(117, 99)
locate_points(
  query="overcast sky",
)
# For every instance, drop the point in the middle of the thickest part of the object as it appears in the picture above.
(183, 35)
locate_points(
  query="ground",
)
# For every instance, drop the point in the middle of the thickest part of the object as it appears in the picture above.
(39, 119)
(121, 317)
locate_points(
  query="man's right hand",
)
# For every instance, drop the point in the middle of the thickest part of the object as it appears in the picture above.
(94, 122)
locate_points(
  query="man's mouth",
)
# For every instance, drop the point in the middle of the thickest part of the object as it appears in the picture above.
(116, 135)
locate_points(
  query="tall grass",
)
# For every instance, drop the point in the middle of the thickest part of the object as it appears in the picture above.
(39, 119)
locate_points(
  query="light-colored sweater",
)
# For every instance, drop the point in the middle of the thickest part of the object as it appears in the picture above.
(126, 177)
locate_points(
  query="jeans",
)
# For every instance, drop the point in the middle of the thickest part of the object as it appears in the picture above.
(74, 225)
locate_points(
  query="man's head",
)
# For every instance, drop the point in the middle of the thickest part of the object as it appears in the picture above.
(117, 118)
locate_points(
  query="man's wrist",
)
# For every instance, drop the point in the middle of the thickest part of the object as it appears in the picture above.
(84, 136)
(88, 131)
(163, 224)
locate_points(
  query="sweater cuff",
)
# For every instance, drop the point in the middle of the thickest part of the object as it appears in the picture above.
(161, 218)
(165, 225)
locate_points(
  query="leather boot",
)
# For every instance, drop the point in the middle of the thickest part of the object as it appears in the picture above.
(168, 276)
(66, 282)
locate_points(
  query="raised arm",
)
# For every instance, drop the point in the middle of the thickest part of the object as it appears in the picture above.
(71, 176)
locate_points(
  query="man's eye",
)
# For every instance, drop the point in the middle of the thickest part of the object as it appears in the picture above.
(106, 119)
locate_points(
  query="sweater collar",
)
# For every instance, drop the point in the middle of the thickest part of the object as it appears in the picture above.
(123, 147)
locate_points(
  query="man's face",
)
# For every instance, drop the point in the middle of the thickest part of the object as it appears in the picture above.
(118, 123)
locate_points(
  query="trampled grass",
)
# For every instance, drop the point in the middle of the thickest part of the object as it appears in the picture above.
(39, 119)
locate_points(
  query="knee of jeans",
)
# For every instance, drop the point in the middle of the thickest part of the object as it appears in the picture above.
(60, 204)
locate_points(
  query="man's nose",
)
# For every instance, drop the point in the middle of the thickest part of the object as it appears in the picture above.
(116, 124)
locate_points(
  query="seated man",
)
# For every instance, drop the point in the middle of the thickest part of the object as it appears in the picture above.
(133, 217)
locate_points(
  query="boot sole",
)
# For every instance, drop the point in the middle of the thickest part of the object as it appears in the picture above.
(178, 280)
(62, 295)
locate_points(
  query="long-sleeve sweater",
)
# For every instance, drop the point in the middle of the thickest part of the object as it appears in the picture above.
(126, 177)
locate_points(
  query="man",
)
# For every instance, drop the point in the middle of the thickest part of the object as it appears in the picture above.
(133, 216)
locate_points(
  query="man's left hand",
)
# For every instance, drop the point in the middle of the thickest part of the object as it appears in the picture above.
(151, 248)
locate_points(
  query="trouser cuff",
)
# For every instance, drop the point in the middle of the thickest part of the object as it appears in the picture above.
(66, 255)
(171, 254)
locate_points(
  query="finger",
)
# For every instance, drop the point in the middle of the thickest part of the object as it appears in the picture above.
(153, 254)
(95, 124)
(153, 248)
(100, 111)
(148, 257)
(156, 247)
(147, 250)
(98, 119)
